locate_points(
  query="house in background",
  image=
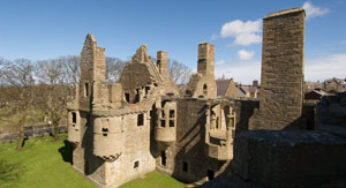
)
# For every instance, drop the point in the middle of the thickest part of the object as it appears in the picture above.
(316, 94)
(334, 85)
(227, 88)
(250, 91)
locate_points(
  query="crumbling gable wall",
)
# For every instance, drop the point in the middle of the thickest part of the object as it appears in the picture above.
(202, 84)
(282, 70)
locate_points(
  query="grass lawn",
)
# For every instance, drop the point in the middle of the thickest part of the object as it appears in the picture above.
(44, 163)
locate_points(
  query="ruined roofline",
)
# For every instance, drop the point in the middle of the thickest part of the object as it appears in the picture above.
(162, 51)
(91, 38)
(205, 42)
(284, 13)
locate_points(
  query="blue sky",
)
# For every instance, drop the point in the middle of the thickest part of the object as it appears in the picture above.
(48, 29)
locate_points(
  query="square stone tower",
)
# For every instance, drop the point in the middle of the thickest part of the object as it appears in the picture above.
(282, 70)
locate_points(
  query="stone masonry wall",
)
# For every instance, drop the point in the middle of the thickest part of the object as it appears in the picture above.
(282, 70)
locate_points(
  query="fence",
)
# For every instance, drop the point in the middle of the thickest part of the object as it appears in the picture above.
(11, 133)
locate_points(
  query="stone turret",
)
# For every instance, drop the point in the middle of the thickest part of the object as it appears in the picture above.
(108, 138)
(219, 131)
(166, 125)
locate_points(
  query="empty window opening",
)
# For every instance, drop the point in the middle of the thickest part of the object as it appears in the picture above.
(163, 158)
(185, 167)
(74, 117)
(205, 89)
(137, 96)
(140, 119)
(158, 63)
(171, 113)
(163, 123)
(147, 89)
(127, 97)
(171, 123)
(163, 113)
(104, 131)
(188, 93)
(136, 164)
(86, 89)
(170, 94)
(210, 174)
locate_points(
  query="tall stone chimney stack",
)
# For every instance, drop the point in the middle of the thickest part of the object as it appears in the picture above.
(206, 53)
(162, 62)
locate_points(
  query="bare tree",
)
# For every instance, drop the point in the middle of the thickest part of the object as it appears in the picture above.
(18, 75)
(114, 67)
(71, 69)
(52, 76)
(180, 73)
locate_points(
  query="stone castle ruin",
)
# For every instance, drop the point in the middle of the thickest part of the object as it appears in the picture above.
(141, 123)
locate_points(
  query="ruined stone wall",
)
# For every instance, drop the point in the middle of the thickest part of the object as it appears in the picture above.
(186, 159)
(290, 158)
(282, 70)
(203, 84)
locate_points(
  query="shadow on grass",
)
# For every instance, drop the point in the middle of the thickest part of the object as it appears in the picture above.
(10, 171)
(66, 151)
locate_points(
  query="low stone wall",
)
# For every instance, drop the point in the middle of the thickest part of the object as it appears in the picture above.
(290, 158)
(11, 133)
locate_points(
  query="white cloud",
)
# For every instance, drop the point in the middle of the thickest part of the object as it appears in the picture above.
(245, 55)
(315, 69)
(314, 11)
(244, 33)
(327, 67)
(241, 71)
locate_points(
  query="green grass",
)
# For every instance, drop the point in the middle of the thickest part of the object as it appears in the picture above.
(154, 179)
(44, 163)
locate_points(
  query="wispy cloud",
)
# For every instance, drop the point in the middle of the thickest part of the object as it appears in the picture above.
(314, 11)
(327, 67)
(314, 69)
(245, 55)
(243, 32)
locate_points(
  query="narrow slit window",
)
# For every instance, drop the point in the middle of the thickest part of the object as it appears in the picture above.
(86, 89)
(163, 158)
(140, 119)
(127, 97)
(74, 117)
